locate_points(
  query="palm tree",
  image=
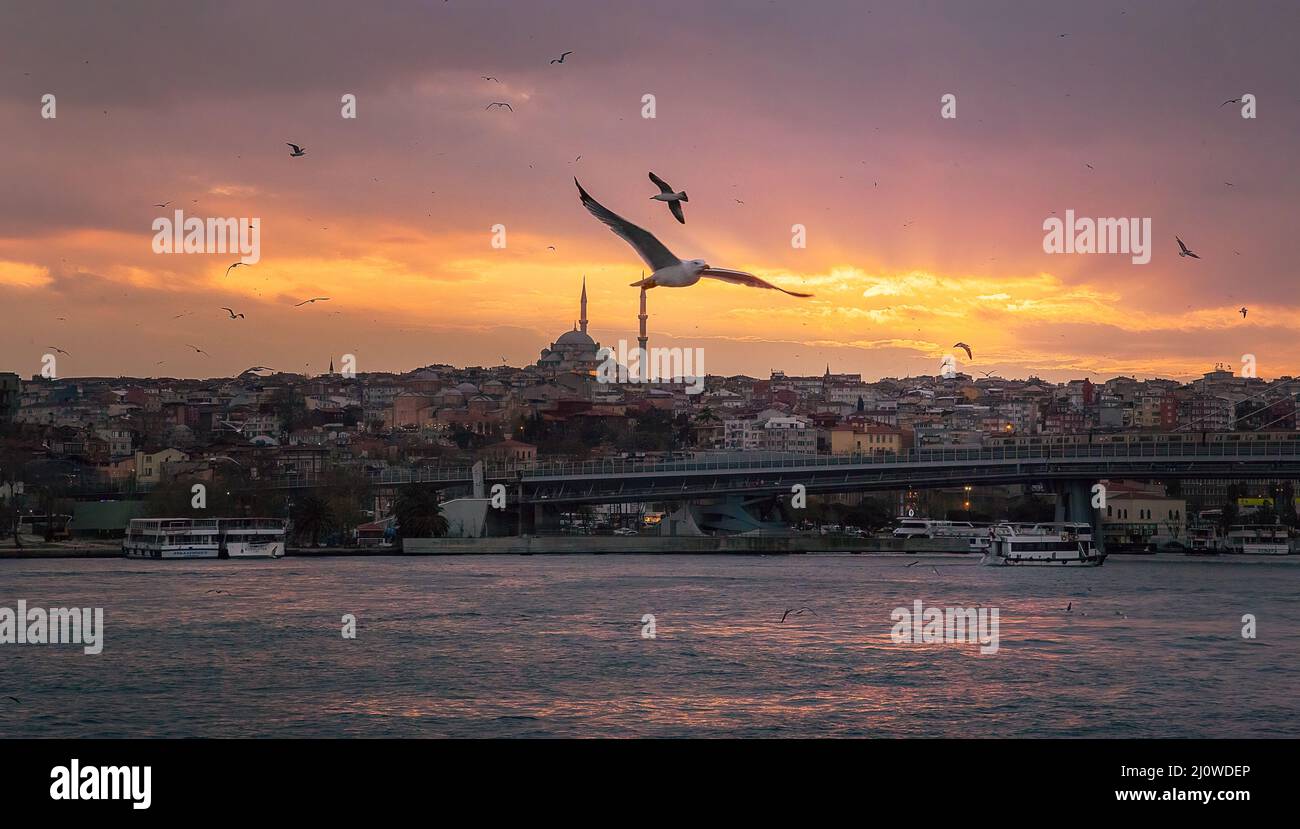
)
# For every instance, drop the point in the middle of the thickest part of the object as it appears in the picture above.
(312, 516)
(418, 513)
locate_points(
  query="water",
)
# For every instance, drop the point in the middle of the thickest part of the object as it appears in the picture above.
(552, 646)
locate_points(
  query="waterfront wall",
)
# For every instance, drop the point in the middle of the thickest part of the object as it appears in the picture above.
(734, 544)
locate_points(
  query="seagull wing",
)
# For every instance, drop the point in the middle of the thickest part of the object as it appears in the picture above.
(295, 147)
(650, 249)
(742, 278)
(1194, 256)
(661, 184)
(1181, 246)
(676, 208)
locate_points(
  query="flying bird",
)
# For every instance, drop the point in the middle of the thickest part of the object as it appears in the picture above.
(500, 104)
(1183, 250)
(562, 56)
(674, 198)
(56, 348)
(255, 369)
(1243, 312)
(969, 355)
(667, 270)
(1229, 101)
(198, 350)
(800, 612)
(164, 204)
(313, 299)
(490, 78)
(232, 267)
(297, 151)
(232, 313)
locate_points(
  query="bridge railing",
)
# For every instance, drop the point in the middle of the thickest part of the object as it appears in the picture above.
(759, 460)
(741, 461)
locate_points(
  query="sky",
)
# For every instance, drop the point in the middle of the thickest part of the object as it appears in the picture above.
(921, 231)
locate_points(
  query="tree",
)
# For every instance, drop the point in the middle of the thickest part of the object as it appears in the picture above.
(312, 517)
(419, 514)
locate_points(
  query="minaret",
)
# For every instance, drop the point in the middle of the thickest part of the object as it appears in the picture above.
(583, 305)
(642, 339)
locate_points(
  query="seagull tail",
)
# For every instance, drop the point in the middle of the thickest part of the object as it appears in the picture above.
(647, 283)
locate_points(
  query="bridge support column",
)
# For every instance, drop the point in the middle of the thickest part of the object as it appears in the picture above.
(1074, 503)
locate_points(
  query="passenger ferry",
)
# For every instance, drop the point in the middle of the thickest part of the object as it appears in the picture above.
(928, 528)
(172, 538)
(1259, 539)
(1205, 541)
(251, 537)
(1062, 544)
(204, 538)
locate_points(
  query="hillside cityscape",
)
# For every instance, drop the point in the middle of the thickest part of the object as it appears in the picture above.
(81, 456)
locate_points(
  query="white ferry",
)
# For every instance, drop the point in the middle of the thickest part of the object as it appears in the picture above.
(172, 538)
(205, 538)
(251, 537)
(1259, 539)
(929, 528)
(1063, 544)
(1205, 541)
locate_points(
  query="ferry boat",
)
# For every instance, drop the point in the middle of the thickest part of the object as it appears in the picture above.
(204, 538)
(928, 528)
(1205, 541)
(1259, 539)
(172, 538)
(1060, 544)
(251, 537)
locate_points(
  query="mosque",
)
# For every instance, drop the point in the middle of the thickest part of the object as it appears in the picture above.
(575, 350)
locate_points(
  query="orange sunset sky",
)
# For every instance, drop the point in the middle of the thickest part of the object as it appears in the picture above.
(921, 231)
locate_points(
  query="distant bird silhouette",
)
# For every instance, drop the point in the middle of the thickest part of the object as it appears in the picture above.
(213, 591)
(15, 699)
(1069, 607)
(562, 56)
(500, 104)
(164, 204)
(56, 348)
(255, 369)
(297, 151)
(969, 355)
(232, 267)
(198, 350)
(1243, 312)
(667, 194)
(1183, 250)
(313, 299)
(913, 564)
(1229, 101)
(490, 78)
(232, 313)
(800, 612)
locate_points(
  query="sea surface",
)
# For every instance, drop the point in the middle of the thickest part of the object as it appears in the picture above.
(509, 646)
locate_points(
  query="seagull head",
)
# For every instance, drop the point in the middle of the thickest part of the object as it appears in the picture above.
(698, 264)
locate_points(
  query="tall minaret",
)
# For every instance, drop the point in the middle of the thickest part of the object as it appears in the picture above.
(583, 303)
(642, 339)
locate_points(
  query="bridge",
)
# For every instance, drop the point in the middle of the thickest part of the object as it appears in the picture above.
(756, 473)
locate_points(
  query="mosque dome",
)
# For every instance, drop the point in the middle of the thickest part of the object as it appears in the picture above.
(575, 338)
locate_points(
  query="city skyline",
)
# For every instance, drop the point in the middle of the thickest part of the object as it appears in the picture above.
(921, 231)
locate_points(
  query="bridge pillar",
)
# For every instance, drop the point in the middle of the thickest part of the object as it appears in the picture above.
(1074, 503)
